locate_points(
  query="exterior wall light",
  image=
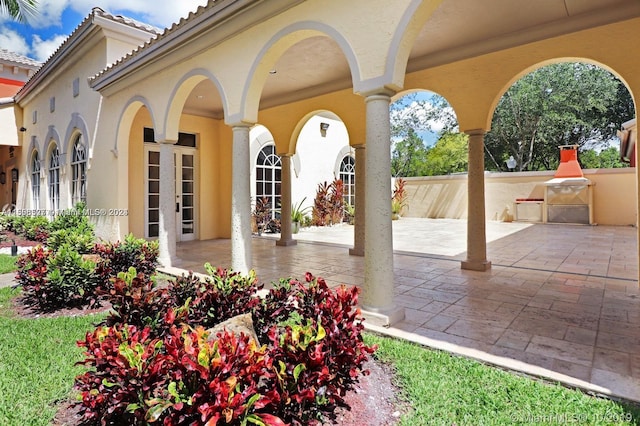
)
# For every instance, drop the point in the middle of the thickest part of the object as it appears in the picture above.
(323, 129)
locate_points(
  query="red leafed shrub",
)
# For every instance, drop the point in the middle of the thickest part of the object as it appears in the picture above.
(172, 372)
(315, 339)
(32, 266)
(121, 255)
(183, 379)
(220, 296)
(136, 301)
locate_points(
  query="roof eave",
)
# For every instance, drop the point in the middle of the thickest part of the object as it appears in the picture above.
(196, 25)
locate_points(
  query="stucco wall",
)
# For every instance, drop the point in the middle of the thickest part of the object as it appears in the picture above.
(614, 200)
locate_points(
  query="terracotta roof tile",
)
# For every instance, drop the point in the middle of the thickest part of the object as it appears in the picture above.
(166, 33)
(7, 56)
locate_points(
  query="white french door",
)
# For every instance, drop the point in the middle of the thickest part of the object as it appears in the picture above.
(186, 197)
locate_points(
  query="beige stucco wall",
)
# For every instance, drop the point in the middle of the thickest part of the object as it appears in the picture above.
(446, 196)
(213, 180)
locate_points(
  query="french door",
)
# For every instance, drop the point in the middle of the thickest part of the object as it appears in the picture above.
(185, 192)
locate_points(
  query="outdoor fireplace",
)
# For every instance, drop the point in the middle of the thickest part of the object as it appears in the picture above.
(568, 197)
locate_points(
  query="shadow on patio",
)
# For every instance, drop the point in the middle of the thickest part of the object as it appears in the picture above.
(560, 301)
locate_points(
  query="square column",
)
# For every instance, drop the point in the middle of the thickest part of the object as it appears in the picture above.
(286, 239)
(167, 220)
(476, 222)
(359, 219)
(377, 293)
(241, 201)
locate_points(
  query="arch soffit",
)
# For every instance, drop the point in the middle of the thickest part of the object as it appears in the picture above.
(295, 134)
(125, 121)
(544, 63)
(273, 50)
(407, 30)
(178, 98)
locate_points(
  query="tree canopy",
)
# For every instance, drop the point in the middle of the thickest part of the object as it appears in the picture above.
(18, 9)
(559, 104)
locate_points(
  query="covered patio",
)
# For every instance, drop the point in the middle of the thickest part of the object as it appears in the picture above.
(560, 301)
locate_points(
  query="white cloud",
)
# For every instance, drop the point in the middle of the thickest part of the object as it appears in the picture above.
(49, 14)
(12, 41)
(43, 49)
(161, 13)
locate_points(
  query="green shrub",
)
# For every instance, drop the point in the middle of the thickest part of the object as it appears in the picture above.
(52, 280)
(80, 240)
(119, 256)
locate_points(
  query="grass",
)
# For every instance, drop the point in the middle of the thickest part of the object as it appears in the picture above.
(37, 358)
(445, 390)
(7, 263)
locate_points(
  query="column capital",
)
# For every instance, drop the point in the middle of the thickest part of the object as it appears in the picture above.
(476, 132)
(359, 146)
(241, 124)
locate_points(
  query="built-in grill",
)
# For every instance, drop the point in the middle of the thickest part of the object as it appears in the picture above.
(568, 197)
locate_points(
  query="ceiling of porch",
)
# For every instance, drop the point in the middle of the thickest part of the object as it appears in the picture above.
(457, 30)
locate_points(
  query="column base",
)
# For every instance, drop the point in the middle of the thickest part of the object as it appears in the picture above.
(356, 251)
(168, 262)
(476, 265)
(286, 243)
(383, 317)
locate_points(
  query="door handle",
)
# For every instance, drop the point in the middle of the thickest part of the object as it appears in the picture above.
(177, 207)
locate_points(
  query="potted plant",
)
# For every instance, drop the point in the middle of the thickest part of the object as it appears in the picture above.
(298, 214)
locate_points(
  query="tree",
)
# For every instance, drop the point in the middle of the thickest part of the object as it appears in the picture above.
(409, 156)
(608, 158)
(18, 9)
(560, 104)
(448, 155)
(411, 116)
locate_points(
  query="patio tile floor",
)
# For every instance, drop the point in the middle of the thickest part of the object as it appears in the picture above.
(561, 301)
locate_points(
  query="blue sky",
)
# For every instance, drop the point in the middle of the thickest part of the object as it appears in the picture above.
(57, 19)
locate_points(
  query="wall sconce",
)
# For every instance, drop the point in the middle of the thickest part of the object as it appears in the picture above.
(3, 178)
(14, 175)
(323, 129)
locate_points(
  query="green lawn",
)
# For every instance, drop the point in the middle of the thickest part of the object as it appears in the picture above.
(451, 390)
(37, 357)
(7, 263)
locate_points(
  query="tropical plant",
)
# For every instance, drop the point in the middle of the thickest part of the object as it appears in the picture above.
(298, 212)
(18, 9)
(399, 198)
(328, 205)
(155, 362)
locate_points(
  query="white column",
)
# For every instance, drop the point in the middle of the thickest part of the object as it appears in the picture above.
(359, 220)
(286, 238)
(167, 225)
(476, 223)
(377, 294)
(241, 201)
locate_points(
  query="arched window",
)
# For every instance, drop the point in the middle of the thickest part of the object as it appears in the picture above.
(35, 181)
(269, 177)
(54, 179)
(348, 177)
(79, 172)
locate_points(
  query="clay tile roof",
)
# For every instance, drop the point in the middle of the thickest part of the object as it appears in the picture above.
(165, 34)
(96, 11)
(128, 21)
(15, 58)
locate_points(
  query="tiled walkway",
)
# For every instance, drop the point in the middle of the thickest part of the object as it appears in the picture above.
(561, 301)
